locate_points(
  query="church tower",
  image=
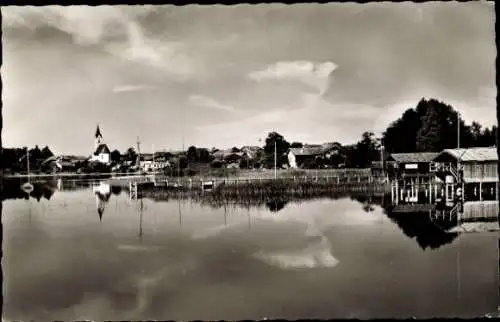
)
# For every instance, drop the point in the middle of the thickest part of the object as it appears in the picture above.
(98, 136)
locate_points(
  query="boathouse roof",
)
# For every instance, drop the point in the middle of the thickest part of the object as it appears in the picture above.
(413, 157)
(473, 154)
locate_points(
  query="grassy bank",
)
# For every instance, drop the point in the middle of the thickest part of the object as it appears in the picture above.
(279, 187)
(232, 173)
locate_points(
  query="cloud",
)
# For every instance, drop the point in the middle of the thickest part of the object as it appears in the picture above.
(115, 28)
(204, 101)
(313, 74)
(132, 88)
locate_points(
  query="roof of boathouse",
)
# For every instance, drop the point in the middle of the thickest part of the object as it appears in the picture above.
(473, 154)
(414, 157)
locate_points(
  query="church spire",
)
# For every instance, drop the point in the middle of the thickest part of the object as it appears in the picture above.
(98, 132)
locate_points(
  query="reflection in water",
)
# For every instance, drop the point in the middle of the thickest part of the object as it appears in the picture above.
(267, 257)
(276, 204)
(102, 193)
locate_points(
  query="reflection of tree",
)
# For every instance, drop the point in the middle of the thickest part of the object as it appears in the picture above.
(414, 224)
(419, 226)
(116, 190)
(276, 204)
(12, 190)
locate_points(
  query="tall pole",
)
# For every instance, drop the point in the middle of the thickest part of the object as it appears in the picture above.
(28, 162)
(138, 151)
(458, 130)
(275, 161)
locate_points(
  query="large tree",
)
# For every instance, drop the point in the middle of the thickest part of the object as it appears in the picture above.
(131, 154)
(273, 140)
(115, 156)
(429, 135)
(191, 154)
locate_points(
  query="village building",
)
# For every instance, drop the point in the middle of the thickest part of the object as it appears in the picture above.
(309, 155)
(63, 163)
(101, 153)
(150, 162)
(252, 152)
(475, 169)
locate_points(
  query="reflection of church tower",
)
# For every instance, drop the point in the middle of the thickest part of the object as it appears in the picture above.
(98, 137)
(102, 194)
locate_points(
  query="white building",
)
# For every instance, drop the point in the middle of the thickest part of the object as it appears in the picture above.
(148, 162)
(101, 151)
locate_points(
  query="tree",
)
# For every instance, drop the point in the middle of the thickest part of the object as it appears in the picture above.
(235, 150)
(203, 155)
(282, 147)
(476, 131)
(429, 135)
(131, 154)
(400, 136)
(46, 153)
(191, 154)
(115, 156)
(367, 150)
(296, 145)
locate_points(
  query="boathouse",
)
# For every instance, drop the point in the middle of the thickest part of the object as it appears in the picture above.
(475, 169)
(414, 167)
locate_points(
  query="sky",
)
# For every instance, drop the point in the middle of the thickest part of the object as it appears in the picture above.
(224, 76)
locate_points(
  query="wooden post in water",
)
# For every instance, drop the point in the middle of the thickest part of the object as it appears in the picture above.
(496, 190)
(480, 191)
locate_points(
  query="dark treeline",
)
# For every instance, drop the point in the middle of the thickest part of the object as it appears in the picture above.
(433, 126)
(16, 158)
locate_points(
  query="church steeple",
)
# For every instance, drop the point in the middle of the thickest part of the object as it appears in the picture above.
(98, 136)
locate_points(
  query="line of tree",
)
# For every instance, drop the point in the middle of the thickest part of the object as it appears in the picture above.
(433, 126)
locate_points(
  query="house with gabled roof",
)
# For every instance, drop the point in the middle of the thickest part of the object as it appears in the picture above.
(301, 157)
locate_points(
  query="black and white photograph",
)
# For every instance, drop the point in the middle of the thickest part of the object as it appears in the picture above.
(249, 161)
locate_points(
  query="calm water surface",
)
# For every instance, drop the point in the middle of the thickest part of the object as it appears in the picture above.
(78, 256)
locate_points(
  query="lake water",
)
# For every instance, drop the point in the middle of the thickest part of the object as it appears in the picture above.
(86, 254)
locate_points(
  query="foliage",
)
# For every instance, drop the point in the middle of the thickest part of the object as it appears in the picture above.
(191, 154)
(275, 141)
(115, 156)
(433, 126)
(131, 154)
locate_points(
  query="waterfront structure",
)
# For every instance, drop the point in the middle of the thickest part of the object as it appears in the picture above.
(412, 166)
(475, 170)
(101, 153)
